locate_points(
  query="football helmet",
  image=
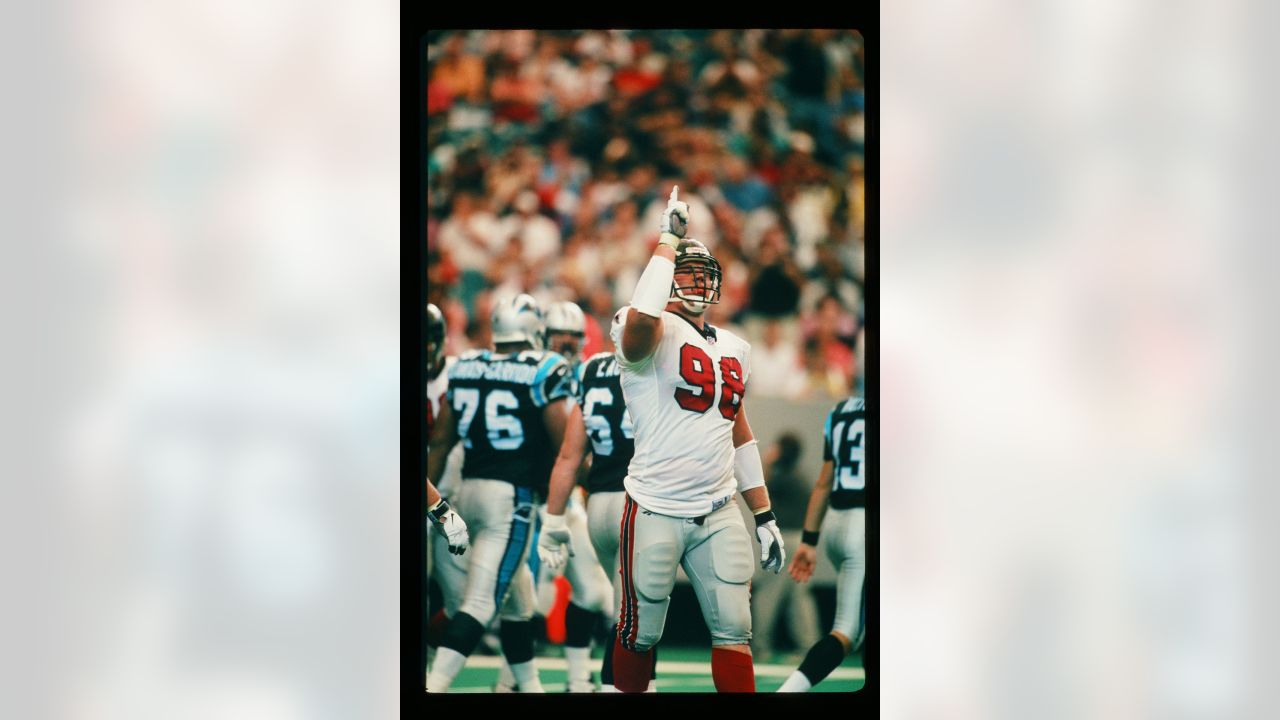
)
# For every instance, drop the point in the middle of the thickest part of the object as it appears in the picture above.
(436, 329)
(693, 256)
(517, 320)
(564, 318)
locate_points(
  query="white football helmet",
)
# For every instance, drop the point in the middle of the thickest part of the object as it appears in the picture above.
(564, 318)
(517, 320)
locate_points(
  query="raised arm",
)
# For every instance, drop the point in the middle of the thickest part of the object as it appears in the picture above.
(643, 330)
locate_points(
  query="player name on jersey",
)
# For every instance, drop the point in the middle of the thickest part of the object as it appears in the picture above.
(498, 401)
(513, 372)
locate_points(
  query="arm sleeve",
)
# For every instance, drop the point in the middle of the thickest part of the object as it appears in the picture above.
(552, 382)
(826, 437)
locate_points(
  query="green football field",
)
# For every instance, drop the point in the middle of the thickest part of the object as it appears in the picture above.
(679, 670)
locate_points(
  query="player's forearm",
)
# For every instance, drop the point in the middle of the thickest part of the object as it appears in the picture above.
(584, 469)
(433, 496)
(757, 499)
(665, 250)
(563, 478)
(818, 500)
(817, 508)
(438, 456)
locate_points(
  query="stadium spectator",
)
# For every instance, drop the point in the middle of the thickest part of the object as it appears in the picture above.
(536, 236)
(822, 382)
(760, 128)
(776, 281)
(775, 365)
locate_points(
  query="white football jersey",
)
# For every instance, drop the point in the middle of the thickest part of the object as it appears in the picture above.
(436, 390)
(683, 400)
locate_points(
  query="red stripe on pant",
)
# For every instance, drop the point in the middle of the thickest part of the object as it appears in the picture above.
(631, 570)
(629, 621)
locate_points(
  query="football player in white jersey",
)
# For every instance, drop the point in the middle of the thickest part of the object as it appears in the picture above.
(684, 383)
(843, 483)
(448, 568)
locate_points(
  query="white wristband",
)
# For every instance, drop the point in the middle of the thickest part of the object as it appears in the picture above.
(747, 466)
(654, 289)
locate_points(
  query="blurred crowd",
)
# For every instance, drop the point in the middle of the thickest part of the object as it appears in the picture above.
(551, 154)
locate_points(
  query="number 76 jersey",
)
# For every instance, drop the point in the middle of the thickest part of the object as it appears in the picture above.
(844, 446)
(498, 400)
(683, 401)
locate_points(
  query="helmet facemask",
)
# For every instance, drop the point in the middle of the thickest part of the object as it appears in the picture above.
(703, 288)
(563, 319)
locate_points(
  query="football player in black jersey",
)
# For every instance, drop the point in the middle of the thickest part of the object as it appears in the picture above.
(600, 419)
(843, 533)
(508, 407)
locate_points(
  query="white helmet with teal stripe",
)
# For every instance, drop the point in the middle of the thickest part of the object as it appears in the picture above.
(517, 320)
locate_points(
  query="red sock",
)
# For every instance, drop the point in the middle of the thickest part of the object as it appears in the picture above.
(555, 618)
(732, 671)
(631, 670)
(436, 627)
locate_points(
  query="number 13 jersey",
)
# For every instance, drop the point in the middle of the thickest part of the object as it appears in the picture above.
(844, 446)
(683, 400)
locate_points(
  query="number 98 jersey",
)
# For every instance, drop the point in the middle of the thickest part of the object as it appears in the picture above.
(844, 432)
(608, 425)
(498, 401)
(683, 400)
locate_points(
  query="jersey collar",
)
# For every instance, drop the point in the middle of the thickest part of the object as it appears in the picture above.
(706, 331)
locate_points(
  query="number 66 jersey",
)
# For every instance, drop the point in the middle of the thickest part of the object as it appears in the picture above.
(683, 401)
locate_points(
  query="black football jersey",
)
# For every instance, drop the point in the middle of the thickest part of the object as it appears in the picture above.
(498, 401)
(845, 447)
(608, 425)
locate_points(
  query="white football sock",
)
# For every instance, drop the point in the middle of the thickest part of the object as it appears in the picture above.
(796, 683)
(445, 669)
(579, 660)
(527, 677)
(609, 689)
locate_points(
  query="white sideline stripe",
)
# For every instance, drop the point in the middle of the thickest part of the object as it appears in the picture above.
(673, 667)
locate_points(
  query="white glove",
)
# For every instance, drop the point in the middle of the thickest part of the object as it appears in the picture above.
(553, 540)
(772, 554)
(451, 525)
(675, 219)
